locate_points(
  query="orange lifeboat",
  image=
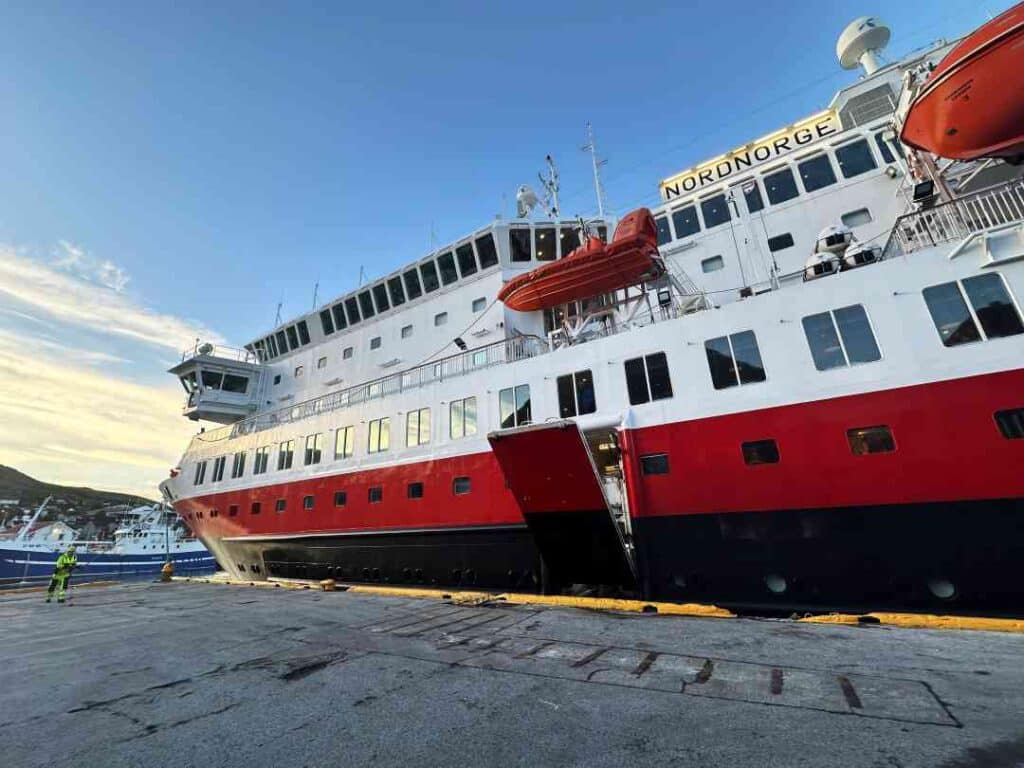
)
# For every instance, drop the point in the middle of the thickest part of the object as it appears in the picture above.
(592, 269)
(972, 104)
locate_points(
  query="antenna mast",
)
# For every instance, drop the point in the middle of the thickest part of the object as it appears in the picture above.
(316, 290)
(277, 317)
(550, 185)
(591, 147)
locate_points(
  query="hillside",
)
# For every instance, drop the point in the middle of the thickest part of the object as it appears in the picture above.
(30, 492)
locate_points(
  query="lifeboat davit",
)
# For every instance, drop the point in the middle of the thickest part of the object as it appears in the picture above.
(972, 104)
(592, 269)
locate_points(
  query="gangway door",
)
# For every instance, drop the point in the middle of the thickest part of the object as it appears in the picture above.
(550, 470)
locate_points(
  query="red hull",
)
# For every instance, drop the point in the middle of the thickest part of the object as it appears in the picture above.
(592, 269)
(972, 105)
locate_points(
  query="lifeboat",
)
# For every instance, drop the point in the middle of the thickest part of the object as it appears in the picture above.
(592, 269)
(971, 106)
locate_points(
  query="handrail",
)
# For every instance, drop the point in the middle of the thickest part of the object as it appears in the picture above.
(957, 219)
(218, 350)
(496, 353)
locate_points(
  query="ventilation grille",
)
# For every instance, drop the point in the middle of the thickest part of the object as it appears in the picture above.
(868, 106)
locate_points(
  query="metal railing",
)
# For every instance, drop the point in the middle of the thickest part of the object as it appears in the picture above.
(498, 353)
(955, 220)
(217, 350)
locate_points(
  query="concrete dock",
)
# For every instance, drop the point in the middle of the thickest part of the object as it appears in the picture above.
(216, 675)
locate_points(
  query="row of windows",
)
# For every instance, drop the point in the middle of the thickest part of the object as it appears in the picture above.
(780, 186)
(544, 241)
(281, 342)
(479, 304)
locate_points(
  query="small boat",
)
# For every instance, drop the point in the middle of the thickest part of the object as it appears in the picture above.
(971, 106)
(592, 269)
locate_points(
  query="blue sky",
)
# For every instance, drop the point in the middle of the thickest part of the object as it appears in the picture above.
(195, 163)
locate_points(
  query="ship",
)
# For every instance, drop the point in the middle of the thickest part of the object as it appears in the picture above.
(148, 536)
(809, 393)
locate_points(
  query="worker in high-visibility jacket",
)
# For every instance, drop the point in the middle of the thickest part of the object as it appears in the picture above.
(66, 563)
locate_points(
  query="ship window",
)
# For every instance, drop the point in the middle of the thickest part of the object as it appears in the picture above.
(272, 344)
(303, 332)
(285, 454)
(570, 240)
(321, 363)
(326, 322)
(293, 337)
(1011, 423)
(993, 306)
(307, 503)
(213, 513)
(254, 508)
(440, 318)
(218, 468)
(856, 218)
(279, 505)
(200, 476)
(760, 452)
(855, 159)
(514, 408)
(479, 304)
(715, 211)
(950, 314)
(314, 449)
(237, 384)
(282, 342)
(883, 148)
(519, 244)
(395, 289)
(486, 251)
(752, 194)
(544, 243)
(865, 440)
(446, 263)
(344, 442)
(417, 427)
(780, 186)
(277, 379)
(685, 221)
(713, 264)
(429, 273)
(412, 284)
(375, 342)
(366, 305)
(840, 337)
(352, 310)
(346, 353)
(212, 379)
(467, 261)
(379, 435)
(602, 233)
(664, 234)
(462, 418)
(734, 359)
(375, 494)
(780, 242)
(576, 395)
(298, 371)
(647, 378)
(338, 313)
(340, 498)
(380, 296)
(260, 460)
(414, 490)
(238, 464)
(654, 464)
(816, 173)
(406, 331)
(461, 486)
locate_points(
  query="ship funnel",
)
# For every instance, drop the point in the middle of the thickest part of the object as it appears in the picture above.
(861, 43)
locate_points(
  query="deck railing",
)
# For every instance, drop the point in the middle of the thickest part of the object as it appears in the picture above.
(218, 350)
(498, 353)
(955, 220)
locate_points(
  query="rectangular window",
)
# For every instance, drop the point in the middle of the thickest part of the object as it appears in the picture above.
(519, 244)
(1011, 423)
(285, 454)
(380, 297)
(734, 359)
(366, 305)
(218, 468)
(780, 242)
(314, 449)
(654, 464)
(462, 418)
(412, 284)
(446, 264)
(883, 148)
(293, 337)
(254, 508)
(461, 486)
(282, 343)
(440, 318)
(344, 442)
(298, 371)
(685, 221)
(321, 363)
(379, 437)
(576, 395)
(375, 342)
(780, 186)
(855, 159)
(375, 494)
(544, 243)
(417, 427)
(346, 354)
(238, 465)
(307, 503)
(816, 173)
(279, 505)
(479, 305)
(752, 194)
(303, 332)
(991, 304)
(865, 440)
(338, 313)
(760, 452)
(406, 331)
(713, 264)
(840, 337)
(261, 460)
(340, 498)
(414, 491)
(486, 250)
(514, 406)
(664, 233)
(466, 259)
(647, 378)
(395, 291)
(200, 476)
(352, 310)
(856, 218)
(237, 384)
(715, 211)
(277, 379)
(428, 271)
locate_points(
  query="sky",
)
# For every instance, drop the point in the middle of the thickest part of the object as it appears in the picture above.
(171, 171)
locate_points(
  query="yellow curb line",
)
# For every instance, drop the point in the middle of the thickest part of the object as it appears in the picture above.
(26, 590)
(921, 621)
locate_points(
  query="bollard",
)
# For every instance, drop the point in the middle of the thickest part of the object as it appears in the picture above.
(167, 571)
(327, 585)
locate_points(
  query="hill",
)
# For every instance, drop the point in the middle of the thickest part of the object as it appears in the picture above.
(30, 492)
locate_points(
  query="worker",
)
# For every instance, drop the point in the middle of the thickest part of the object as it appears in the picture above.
(61, 573)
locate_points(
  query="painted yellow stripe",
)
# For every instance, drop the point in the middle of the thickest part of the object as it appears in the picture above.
(616, 604)
(922, 621)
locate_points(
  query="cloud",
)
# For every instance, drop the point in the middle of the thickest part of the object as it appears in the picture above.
(82, 291)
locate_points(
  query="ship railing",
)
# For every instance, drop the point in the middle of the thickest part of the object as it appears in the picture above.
(957, 219)
(497, 353)
(218, 350)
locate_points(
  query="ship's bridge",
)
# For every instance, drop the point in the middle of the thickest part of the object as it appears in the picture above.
(223, 384)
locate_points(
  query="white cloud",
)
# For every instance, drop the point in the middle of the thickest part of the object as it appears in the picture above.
(81, 263)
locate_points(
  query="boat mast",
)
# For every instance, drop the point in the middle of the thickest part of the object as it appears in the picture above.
(591, 147)
(23, 533)
(550, 185)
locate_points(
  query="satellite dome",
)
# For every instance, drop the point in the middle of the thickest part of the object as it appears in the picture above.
(861, 42)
